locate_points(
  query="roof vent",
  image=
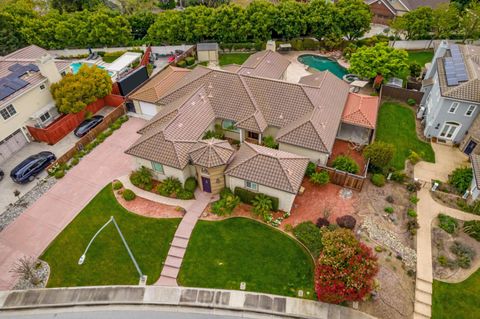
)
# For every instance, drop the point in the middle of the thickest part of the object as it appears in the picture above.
(193, 102)
(210, 95)
(281, 116)
(180, 125)
(268, 61)
(289, 172)
(210, 85)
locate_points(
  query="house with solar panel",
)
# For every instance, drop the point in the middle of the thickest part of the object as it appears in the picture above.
(25, 79)
(451, 103)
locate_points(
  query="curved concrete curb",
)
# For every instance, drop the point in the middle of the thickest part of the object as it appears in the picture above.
(176, 296)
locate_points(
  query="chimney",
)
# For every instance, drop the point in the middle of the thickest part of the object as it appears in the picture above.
(271, 45)
(48, 68)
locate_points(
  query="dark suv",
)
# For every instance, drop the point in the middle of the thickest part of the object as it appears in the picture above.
(1, 174)
(31, 167)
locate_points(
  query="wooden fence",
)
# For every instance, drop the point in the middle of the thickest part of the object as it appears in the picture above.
(345, 179)
(90, 136)
(400, 94)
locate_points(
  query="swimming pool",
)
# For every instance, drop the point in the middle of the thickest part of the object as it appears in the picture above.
(321, 63)
(76, 66)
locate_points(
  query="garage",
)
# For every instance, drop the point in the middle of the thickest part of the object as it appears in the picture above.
(148, 109)
(11, 144)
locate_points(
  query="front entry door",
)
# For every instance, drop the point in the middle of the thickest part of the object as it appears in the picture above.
(206, 184)
(470, 146)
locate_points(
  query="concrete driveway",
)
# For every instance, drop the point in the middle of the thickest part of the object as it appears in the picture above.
(7, 186)
(33, 231)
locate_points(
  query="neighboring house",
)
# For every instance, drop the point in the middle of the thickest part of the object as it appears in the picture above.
(475, 185)
(384, 11)
(451, 100)
(25, 79)
(305, 119)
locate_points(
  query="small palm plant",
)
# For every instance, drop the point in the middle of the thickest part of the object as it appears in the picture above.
(262, 205)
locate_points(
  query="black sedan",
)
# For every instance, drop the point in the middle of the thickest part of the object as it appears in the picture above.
(87, 125)
(1, 174)
(31, 167)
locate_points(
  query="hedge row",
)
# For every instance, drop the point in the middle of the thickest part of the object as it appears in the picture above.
(247, 197)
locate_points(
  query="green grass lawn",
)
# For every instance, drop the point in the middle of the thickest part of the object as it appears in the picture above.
(459, 301)
(107, 261)
(224, 253)
(396, 125)
(421, 57)
(233, 58)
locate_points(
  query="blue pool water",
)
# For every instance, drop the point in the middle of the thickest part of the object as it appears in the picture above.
(322, 64)
(76, 66)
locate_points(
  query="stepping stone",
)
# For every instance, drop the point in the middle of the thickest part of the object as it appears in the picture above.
(179, 242)
(423, 297)
(168, 271)
(166, 281)
(424, 286)
(174, 262)
(176, 252)
(423, 309)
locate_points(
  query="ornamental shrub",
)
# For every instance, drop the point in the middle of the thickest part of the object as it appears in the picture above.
(117, 185)
(388, 210)
(320, 178)
(247, 197)
(414, 157)
(346, 164)
(411, 213)
(171, 185)
(378, 180)
(262, 206)
(270, 142)
(226, 204)
(181, 64)
(411, 102)
(472, 228)
(190, 184)
(142, 178)
(461, 179)
(309, 235)
(465, 254)
(59, 174)
(379, 153)
(311, 168)
(322, 222)
(189, 60)
(128, 195)
(346, 268)
(346, 221)
(398, 176)
(184, 194)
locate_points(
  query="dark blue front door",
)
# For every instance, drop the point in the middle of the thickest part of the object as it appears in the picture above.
(206, 184)
(471, 145)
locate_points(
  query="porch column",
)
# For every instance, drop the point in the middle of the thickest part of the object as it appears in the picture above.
(259, 138)
(241, 135)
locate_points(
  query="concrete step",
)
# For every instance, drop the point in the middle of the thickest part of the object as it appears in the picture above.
(174, 262)
(419, 316)
(166, 281)
(177, 252)
(423, 309)
(179, 242)
(423, 297)
(424, 286)
(171, 272)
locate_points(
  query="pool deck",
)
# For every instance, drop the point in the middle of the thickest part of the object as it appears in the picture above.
(293, 56)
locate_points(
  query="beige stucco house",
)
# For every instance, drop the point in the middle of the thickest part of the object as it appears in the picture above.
(304, 118)
(25, 79)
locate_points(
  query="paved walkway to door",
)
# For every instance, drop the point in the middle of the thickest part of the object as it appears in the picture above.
(32, 232)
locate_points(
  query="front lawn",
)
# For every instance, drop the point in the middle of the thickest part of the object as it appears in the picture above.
(456, 300)
(107, 261)
(233, 58)
(396, 125)
(222, 254)
(421, 57)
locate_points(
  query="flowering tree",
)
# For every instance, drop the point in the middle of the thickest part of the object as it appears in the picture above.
(346, 268)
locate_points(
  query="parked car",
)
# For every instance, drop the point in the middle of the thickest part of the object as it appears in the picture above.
(31, 167)
(88, 124)
(1, 174)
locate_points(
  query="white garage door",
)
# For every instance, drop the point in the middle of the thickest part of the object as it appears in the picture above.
(13, 143)
(149, 110)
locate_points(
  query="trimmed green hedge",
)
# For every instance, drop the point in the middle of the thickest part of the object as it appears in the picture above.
(247, 197)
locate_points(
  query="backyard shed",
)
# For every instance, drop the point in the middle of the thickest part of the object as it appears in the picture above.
(207, 52)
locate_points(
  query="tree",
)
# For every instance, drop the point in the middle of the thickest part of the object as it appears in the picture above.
(166, 28)
(230, 24)
(290, 21)
(367, 62)
(353, 26)
(198, 23)
(74, 5)
(261, 15)
(444, 21)
(346, 268)
(140, 22)
(379, 153)
(470, 22)
(75, 91)
(10, 37)
(461, 178)
(131, 6)
(322, 17)
(416, 24)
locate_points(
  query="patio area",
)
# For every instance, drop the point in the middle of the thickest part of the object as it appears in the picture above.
(348, 149)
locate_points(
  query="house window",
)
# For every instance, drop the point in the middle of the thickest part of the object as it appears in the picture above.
(63, 73)
(449, 130)
(157, 167)
(470, 110)
(45, 117)
(453, 108)
(251, 185)
(229, 125)
(8, 112)
(42, 86)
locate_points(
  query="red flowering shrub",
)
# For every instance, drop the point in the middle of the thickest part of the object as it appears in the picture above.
(346, 268)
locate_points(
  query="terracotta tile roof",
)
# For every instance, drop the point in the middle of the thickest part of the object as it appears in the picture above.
(157, 85)
(211, 153)
(475, 159)
(268, 167)
(231, 67)
(361, 110)
(168, 143)
(468, 90)
(267, 64)
(32, 52)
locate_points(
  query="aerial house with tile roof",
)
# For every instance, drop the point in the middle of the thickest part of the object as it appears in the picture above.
(304, 118)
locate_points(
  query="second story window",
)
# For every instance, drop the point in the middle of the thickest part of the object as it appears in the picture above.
(7, 112)
(453, 108)
(471, 109)
(229, 125)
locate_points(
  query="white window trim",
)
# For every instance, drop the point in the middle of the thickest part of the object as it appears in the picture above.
(250, 188)
(453, 135)
(456, 104)
(11, 115)
(156, 171)
(44, 113)
(473, 110)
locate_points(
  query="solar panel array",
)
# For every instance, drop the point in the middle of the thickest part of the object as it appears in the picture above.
(455, 69)
(13, 82)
